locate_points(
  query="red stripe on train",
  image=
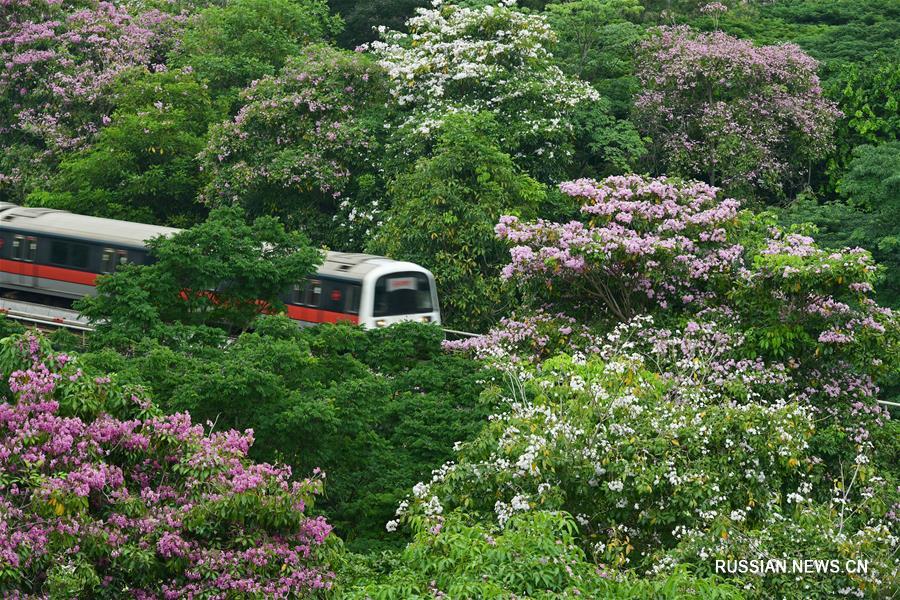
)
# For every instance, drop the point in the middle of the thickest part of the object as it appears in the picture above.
(316, 315)
(19, 267)
(299, 313)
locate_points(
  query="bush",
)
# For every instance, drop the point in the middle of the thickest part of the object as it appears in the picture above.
(101, 495)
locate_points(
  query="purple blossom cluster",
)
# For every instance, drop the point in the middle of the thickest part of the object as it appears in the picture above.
(59, 58)
(742, 116)
(145, 495)
(647, 242)
(530, 338)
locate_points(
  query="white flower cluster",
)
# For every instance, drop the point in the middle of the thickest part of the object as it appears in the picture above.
(492, 58)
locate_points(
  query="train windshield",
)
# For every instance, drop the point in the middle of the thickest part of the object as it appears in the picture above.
(402, 294)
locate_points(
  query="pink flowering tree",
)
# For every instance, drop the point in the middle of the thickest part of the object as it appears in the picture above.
(640, 243)
(302, 144)
(59, 59)
(677, 248)
(139, 504)
(750, 119)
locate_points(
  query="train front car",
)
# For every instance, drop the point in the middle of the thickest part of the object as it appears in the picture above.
(368, 290)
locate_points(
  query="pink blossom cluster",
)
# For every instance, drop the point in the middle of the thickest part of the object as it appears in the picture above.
(743, 116)
(647, 241)
(530, 338)
(210, 522)
(59, 59)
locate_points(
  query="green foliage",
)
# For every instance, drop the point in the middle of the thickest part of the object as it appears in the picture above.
(221, 273)
(869, 215)
(868, 95)
(443, 212)
(9, 326)
(142, 165)
(231, 45)
(534, 556)
(304, 145)
(597, 40)
(376, 410)
(833, 32)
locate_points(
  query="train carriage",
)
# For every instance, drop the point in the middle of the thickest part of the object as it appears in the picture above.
(58, 253)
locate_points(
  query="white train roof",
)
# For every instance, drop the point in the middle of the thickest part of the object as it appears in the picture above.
(63, 223)
(351, 265)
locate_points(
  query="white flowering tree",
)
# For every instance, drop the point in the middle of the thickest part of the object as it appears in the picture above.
(496, 59)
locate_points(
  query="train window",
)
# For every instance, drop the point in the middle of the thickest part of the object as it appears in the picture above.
(111, 258)
(24, 248)
(353, 296)
(401, 294)
(340, 296)
(18, 248)
(108, 260)
(68, 254)
(313, 292)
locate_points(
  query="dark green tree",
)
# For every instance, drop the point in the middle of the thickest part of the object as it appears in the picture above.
(142, 166)
(243, 40)
(443, 212)
(597, 42)
(362, 17)
(221, 273)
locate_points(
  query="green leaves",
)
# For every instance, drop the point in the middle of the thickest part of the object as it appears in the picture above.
(443, 213)
(220, 274)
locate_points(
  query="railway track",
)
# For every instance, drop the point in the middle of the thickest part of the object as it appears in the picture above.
(43, 316)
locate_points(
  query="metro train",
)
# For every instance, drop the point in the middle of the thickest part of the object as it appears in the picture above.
(61, 254)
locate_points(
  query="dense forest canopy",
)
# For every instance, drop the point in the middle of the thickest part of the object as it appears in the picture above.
(674, 226)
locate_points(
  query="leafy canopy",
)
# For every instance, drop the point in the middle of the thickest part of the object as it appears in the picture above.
(221, 273)
(442, 215)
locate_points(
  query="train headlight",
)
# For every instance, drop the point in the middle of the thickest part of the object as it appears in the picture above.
(380, 323)
(425, 319)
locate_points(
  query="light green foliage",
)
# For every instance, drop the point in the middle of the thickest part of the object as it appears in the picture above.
(142, 166)
(221, 273)
(243, 40)
(868, 95)
(443, 212)
(535, 556)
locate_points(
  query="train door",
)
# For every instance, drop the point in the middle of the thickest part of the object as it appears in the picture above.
(24, 252)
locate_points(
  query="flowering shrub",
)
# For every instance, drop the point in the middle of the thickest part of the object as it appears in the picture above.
(748, 118)
(491, 58)
(534, 556)
(59, 59)
(669, 450)
(298, 146)
(141, 504)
